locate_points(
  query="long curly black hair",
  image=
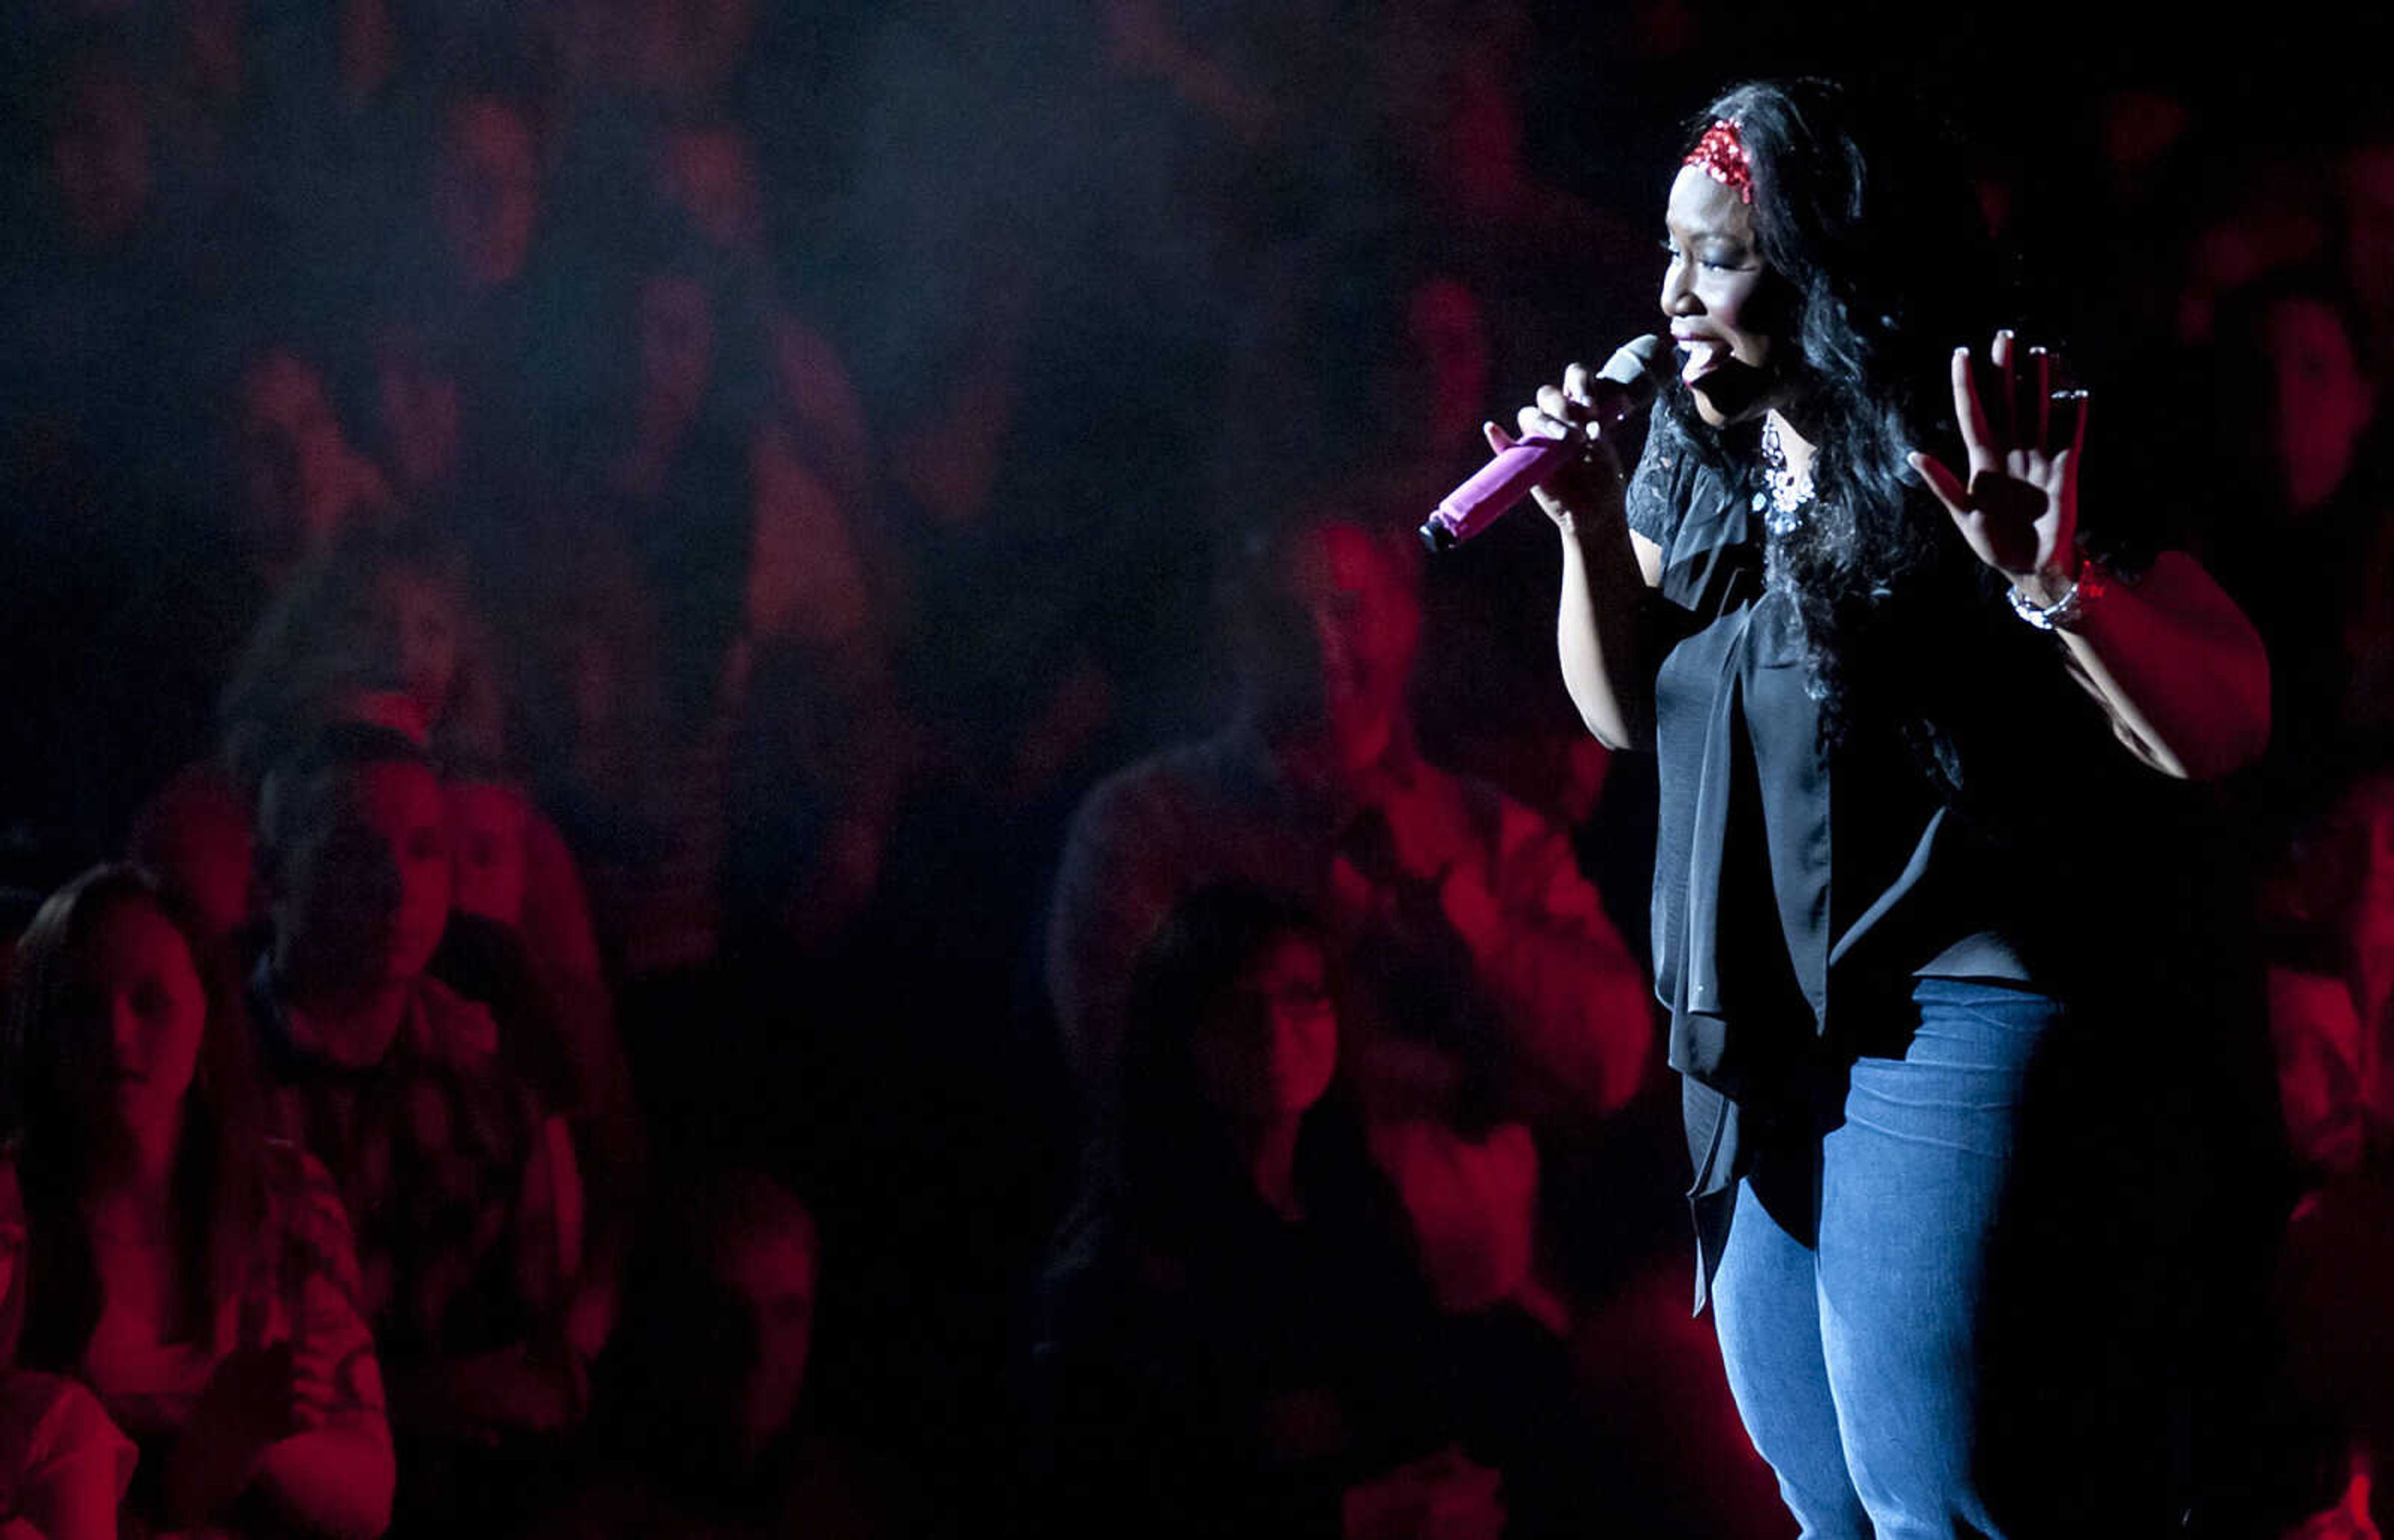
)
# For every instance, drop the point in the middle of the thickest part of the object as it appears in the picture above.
(1881, 264)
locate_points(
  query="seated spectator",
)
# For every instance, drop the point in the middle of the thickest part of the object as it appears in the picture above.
(155, 1245)
(2327, 917)
(486, 197)
(556, 1021)
(413, 409)
(2327, 920)
(2297, 413)
(1316, 789)
(64, 1467)
(1237, 1335)
(380, 627)
(1490, 989)
(1490, 986)
(700, 1428)
(463, 1185)
(297, 479)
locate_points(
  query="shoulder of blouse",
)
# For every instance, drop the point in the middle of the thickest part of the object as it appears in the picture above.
(1655, 496)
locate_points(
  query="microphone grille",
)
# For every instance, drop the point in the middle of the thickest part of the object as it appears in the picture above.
(1632, 364)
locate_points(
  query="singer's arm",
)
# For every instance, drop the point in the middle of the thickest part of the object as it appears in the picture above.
(1599, 625)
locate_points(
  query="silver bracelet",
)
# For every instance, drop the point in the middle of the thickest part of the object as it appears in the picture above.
(2086, 590)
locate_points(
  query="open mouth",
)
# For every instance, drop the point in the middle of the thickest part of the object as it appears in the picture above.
(1727, 386)
(1703, 356)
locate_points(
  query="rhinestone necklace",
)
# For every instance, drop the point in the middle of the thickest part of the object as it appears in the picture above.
(1785, 493)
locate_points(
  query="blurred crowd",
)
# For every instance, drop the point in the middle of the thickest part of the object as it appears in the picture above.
(732, 802)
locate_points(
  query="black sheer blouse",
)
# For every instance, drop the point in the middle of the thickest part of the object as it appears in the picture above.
(1800, 885)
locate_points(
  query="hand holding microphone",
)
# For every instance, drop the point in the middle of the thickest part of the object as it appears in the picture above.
(1587, 408)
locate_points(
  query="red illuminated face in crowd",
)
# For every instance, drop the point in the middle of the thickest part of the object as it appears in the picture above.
(486, 840)
(1268, 1049)
(2323, 402)
(1366, 624)
(294, 460)
(771, 1268)
(137, 992)
(364, 896)
(709, 174)
(1718, 298)
(195, 836)
(414, 619)
(488, 195)
(419, 405)
(2321, 1068)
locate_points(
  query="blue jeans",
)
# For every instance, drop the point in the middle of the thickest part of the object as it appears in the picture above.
(1854, 1359)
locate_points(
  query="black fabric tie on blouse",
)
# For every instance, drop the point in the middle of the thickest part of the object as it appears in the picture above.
(1745, 931)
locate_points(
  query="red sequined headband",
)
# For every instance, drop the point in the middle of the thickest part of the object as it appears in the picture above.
(1722, 155)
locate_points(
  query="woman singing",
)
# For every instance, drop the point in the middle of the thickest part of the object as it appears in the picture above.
(1906, 717)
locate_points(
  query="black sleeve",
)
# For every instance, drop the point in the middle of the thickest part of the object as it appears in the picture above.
(1658, 488)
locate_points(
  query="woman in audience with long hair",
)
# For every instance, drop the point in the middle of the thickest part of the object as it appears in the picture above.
(154, 1244)
(1239, 1336)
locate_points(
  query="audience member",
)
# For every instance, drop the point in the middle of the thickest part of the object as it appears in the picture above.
(414, 415)
(381, 627)
(486, 189)
(157, 1245)
(1316, 788)
(2297, 413)
(378, 628)
(464, 1189)
(194, 837)
(374, 627)
(701, 1428)
(1493, 991)
(298, 479)
(2327, 919)
(1237, 1336)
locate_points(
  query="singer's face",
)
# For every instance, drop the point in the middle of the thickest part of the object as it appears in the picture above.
(1716, 294)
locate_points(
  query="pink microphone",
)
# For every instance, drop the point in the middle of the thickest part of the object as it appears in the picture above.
(1623, 388)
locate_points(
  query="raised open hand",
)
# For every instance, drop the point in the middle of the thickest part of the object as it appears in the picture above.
(2019, 508)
